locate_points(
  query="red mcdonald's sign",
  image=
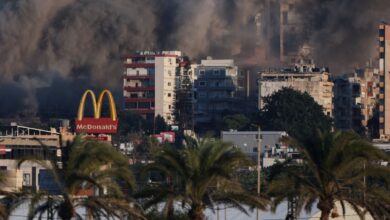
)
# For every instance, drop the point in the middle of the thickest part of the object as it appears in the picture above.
(97, 125)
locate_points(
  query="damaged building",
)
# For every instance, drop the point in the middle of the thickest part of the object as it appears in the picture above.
(304, 77)
(355, 99)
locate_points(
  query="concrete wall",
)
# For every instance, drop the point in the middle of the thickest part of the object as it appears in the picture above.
(165, 85)
(247, 141)
(316, 84)
(13, 180)
(26, 175)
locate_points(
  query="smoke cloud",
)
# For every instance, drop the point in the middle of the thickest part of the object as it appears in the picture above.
(345, 33)
(44, 39)
(80, 42)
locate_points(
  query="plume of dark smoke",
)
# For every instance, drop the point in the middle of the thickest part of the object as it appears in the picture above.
(81, 41)
(40, 39)
(345, 32)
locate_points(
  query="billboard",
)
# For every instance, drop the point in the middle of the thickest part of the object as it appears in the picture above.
(97, 125)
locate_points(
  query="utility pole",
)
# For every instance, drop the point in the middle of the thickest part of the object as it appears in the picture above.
(50, 214)
(258, 166)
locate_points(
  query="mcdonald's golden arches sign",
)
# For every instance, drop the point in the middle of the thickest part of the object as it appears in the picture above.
(97, 124)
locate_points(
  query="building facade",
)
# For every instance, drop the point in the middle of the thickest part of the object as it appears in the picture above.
(384, 81)
(184, 109)
(17, 142)
(149, 83)
(246, 141)
(304, 77)
(216, 90)
(355, 99)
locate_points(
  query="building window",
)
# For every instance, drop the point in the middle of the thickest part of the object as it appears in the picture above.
(202, 94)
(169, 106)
(133, 95)
(169, 73)
(169, 94)
(169, 84)
(152, 104)
(216, 72)
(26, 179)
(202, 83)
(201, 72)
(137, 72)
(131, 105)
(144, 105)
(169, 117)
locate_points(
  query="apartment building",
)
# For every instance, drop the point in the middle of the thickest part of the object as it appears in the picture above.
(355, 99)
(149, 83)
(384, 81)
(216, 90)
(304, 77)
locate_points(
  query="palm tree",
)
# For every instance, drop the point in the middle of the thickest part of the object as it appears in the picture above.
(334, 168)
(4, 210)
(87, 165)
(199, 176)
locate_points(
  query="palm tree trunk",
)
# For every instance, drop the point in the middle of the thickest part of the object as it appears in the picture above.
(196, 212)
(326, 207)
(325, 215)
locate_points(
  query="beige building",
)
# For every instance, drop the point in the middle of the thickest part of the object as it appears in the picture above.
(355, 99)
(17, 142)
(369, 92)
(384, 81)
(149, 83)
(304, 77)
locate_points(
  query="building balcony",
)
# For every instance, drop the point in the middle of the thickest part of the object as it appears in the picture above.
(139, 99)
(138, 76)
(138, 65)
(221, 88)
(143, 110)
(139, 89)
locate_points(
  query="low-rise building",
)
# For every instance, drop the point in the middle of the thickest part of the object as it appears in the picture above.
(272, 149)
(17, 142)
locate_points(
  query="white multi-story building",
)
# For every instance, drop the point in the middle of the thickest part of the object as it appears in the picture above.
(149, 83)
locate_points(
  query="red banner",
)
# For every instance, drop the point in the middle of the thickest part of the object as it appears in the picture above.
(96, 126)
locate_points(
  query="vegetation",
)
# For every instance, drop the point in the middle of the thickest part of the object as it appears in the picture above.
(144, 146)
(334, 168)
(88, 166)
(235, 122)
(131, 122)
(199, 176)
(295, 112)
